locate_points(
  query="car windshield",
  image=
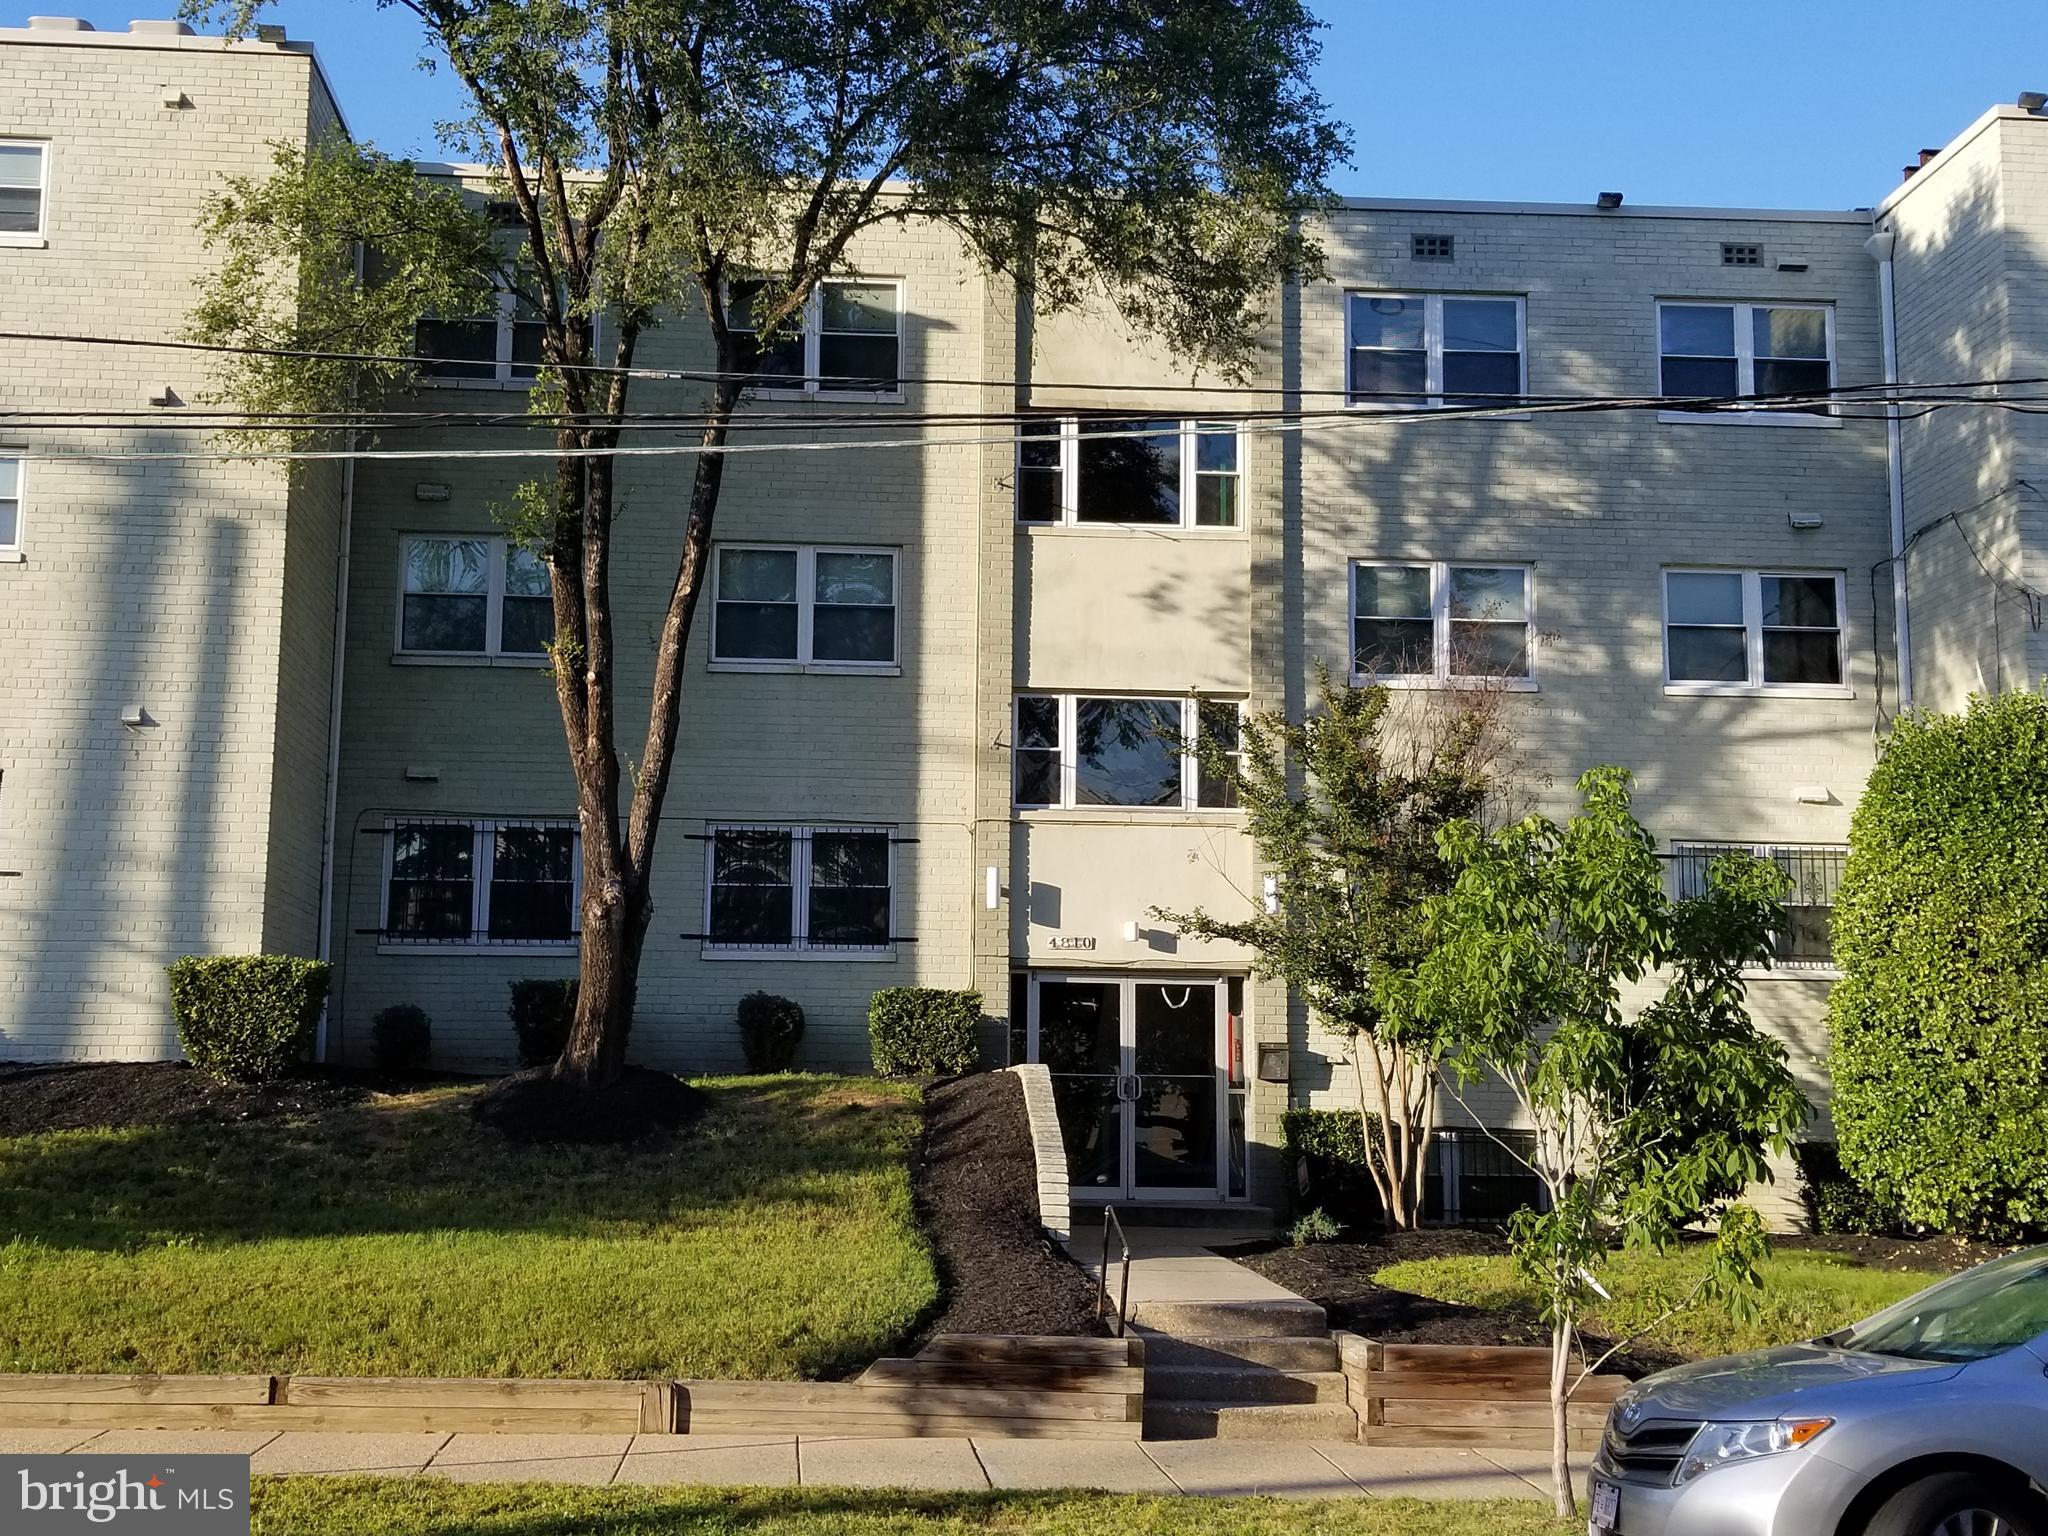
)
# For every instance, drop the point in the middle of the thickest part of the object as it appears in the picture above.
(1980, 1313)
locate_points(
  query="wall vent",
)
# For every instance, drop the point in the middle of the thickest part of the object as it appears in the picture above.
(1741, 254)
(1432, 247)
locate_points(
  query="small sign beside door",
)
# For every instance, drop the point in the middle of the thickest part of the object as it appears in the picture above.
(1073, 941)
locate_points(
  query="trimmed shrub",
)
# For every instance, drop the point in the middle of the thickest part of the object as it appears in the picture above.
(1939, 1026)
(1327, 1154)
(543, 1007)
(770, 1028)
(1835, 1203)
(249, 1018)
(924, 1031)
(401, 1039)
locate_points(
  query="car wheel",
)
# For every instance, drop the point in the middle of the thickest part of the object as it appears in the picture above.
(1958, 1504)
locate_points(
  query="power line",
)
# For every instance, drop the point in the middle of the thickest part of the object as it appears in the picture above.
(1876, 393)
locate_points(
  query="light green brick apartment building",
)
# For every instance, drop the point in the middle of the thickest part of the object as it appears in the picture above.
(242, 713)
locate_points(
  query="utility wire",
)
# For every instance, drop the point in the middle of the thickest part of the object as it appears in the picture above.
(856, 383)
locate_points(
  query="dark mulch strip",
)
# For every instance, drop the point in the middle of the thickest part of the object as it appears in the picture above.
(1338, 1277)
(1935, 1252)
(536, 1106)
(118, 1095)
(977, 1193)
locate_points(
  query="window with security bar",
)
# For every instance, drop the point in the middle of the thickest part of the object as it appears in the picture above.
(769, 888)
(494, 882)
(1815, 872)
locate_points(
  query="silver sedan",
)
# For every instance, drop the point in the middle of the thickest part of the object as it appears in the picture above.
(1929, 1419)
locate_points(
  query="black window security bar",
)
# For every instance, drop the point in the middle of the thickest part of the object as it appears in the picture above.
(1475, 1176)
(447, 881)
(1815, 873)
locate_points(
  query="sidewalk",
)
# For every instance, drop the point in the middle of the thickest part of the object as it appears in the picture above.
(1297, 1469)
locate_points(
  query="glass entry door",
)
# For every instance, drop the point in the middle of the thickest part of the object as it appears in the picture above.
(1136, 1069)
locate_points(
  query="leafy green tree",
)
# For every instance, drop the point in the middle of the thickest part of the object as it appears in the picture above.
(721, 157)
(1939, 1048)
(1343, 808)
(1646, 1120)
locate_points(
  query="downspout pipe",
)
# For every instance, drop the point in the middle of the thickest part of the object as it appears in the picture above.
(341, 563)
(1879, 247)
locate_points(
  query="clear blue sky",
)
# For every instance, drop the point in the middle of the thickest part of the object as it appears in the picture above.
(1798, 103)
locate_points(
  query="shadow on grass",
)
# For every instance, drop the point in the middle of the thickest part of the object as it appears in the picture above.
(418, 1163)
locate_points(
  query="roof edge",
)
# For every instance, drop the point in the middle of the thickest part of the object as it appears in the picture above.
(1587, 210)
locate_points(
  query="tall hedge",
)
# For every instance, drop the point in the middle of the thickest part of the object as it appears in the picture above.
(1940, 1023)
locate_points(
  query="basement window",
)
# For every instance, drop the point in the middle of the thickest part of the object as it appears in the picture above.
(799, 888)
(481, 883)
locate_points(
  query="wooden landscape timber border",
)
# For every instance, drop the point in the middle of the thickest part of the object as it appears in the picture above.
(960, 1384)
(1455, 1394)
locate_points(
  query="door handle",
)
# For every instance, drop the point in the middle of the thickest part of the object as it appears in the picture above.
(1128, 1088)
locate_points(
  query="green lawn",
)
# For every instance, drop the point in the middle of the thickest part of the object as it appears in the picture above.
(352, 1506)
(774, 1238)
(1805, 1293)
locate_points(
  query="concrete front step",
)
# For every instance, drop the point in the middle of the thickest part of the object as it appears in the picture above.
(1241, 1384)
(1168, 1420)
(1239, 1319)
(1281, 1352)
(1248, 1219)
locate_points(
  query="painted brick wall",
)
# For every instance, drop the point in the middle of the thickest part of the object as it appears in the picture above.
(150, 585)
(900, 750)
(1957, 283)
(1598, 504)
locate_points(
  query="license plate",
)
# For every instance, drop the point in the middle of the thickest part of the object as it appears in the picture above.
(1606, 1509)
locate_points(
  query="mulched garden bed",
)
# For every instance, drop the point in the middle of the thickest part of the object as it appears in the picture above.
(118, 1095)
(977, 1194)
(1338, 1277)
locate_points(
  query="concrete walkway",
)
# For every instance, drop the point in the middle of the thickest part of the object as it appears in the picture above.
(1171, 1265)
(1298, 1470)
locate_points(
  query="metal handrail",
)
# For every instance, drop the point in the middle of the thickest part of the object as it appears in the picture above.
(1123, 1295)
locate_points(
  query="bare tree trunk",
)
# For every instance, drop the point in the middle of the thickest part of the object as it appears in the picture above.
(1565, 1497)
(1391, 1188)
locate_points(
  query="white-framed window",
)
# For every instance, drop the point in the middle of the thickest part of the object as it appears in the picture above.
(803, 607)
(850, 343)
(1156, 473)
(1420, 623)
(1421, 351)
(1724, 350)
(1728, 631)
(1815, 872)
(24, 191)
(13, 493)
(799, 888)
(472, 597)
(483, 883)
(1076, 751)
(501, 346)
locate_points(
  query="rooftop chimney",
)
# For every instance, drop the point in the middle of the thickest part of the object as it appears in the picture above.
(1927, 155)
